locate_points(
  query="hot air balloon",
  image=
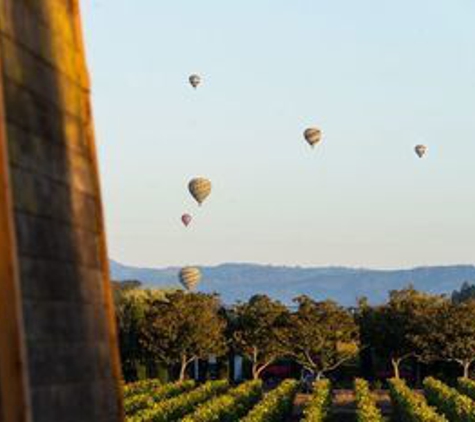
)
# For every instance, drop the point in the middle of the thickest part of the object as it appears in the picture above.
(420, 150)
(194, 80)
(313, 136)
(190, 277)
(199, 188)
(186, 219)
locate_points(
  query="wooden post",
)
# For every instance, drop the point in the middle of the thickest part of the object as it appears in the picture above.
(58, 339)
(14, 392)
(108, 299)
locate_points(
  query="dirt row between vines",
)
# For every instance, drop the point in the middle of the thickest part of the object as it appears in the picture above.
(343, 405)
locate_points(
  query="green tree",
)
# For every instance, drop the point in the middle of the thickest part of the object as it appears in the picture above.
(460, 334)
(398, 329)
(466, 292)
(128, 314)
(257, 330)
(182, 328)
(451, 334)
(321, 336)
(125, 285)
(130, 305)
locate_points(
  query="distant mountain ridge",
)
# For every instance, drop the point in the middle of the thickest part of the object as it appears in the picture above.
(240, 281)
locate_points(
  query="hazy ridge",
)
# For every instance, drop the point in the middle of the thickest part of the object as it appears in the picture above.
(240, 281)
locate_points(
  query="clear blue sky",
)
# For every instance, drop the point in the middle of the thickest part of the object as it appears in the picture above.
(376, 76)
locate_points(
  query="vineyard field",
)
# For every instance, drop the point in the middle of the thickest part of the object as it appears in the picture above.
(216, 401)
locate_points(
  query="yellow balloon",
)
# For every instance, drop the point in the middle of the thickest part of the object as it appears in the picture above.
(200, 188)
(190, 277)
(313, 136)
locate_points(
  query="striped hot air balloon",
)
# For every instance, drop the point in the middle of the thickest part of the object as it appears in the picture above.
(190, 277)
(200, 188)
(194, 80)
(313, 136)
(420, 150)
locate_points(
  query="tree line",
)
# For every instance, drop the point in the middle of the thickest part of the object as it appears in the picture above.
(175, 329)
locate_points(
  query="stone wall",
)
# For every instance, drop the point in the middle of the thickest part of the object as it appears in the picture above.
(69, 332)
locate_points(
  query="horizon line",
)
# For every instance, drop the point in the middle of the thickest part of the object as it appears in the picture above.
(298, 266)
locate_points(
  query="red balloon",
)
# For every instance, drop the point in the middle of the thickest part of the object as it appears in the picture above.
(186, 219)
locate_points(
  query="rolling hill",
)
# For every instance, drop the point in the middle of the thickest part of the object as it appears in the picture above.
(240, 281)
